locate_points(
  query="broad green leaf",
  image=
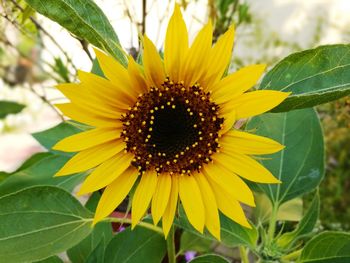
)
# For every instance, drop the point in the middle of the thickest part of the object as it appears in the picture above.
(41, 173)
(232, 234)
(96, 69)
(305, 226)
(97, 255)
(211, 258)
(134, 246)
(84, 19)
(327, 247)
(190, 241)
(50, 137)
(9, 107)
(102, 232)
(313, 76)
(300, 166)
(39, 222)
(53, 259)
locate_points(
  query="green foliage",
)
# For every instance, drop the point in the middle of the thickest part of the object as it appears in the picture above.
(232, 234)
(305, 226)
(134, 246)
(38, 222)
(209, 259)
(53, 259)
(85, 20)
(9, 107)
(313, 76)
(300, 166)
(190, 241)
(327, 247)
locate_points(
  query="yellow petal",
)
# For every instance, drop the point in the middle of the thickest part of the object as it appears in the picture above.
(197, 56)
(169, 213)
(115, 193)
(245, 166)
(126, 95)
(229, 121)
(246, 143)
(82, 115)
(256, 102)
(237, 83)
(115, 72)
(230, 207)
(192, 202)
(176, 45)
(230, 182)
(91, 157)
(219, 57)
(87, 139)
(143, 196)
(136, 77)
(212, 220)
(79, 95)
(161, 196)
(106, 173)
(153, 65)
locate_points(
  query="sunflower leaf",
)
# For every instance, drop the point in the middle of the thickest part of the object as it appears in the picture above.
(313, 76)
(39, 222)
(300, 166)
(134, 246)
(84, 19)
(9, 107)
(211, 258)
(327, 247)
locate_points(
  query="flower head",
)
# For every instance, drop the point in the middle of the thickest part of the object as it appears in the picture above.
(169, 124)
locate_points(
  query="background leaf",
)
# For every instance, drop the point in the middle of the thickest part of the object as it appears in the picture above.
(138, 245)
(41, 173)
(327, 247)
(84, 19)
(209, 259)
(39, 222)
(300, 166)
(232, 234)
(9, 107)
(190, 241)
(313, 76)
(53, 259)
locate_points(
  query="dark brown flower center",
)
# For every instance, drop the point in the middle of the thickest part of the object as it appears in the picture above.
(172, 129)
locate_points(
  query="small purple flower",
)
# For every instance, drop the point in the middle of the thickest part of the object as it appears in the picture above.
(189, 255)
(121, 229)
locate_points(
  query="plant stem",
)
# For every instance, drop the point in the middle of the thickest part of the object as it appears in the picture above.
(244, 255)
(128, 221)
(272, 224)
(170, 242)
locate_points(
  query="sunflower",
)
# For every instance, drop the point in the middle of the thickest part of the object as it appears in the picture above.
(167, 127)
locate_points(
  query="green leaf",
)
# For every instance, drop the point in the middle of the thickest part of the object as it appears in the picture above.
(102, 232)
(327, 247)
(300, 166)
(50, 137)
(9, 107)
(53, 259)
(313, 76)
(41, 173)
(134, 246)
(39, 222)
(211, 258)
(84, 19)
(305, 226)
(190, 241)
(232, 234)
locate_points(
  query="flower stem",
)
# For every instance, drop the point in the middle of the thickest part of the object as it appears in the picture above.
(272, 223)
(170, 242)
(244, 255)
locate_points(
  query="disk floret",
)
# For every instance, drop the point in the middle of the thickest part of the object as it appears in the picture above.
(172, 129)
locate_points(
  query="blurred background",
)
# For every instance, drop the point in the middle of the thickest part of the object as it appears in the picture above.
(36, 54)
